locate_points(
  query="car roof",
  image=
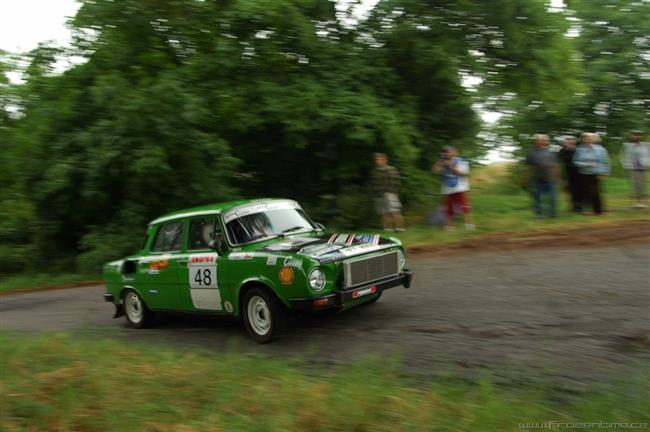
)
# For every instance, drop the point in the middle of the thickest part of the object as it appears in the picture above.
(208, 209)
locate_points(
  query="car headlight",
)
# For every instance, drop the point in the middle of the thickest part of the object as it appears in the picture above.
(402, 259)
(316, 279)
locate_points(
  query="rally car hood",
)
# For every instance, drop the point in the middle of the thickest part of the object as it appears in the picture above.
(331, 247)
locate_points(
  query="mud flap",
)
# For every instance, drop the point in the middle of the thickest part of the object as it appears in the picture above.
(119, 311)
(408, 278)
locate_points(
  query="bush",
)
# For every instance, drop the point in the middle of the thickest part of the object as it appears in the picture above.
(102, 245)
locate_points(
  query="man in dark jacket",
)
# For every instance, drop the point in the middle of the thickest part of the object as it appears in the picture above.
(572, 177)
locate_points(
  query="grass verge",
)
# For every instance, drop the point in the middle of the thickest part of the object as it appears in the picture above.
(501, 207)
(56, 383)
(34, 282)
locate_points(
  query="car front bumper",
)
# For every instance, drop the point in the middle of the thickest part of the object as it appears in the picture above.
(352, 296)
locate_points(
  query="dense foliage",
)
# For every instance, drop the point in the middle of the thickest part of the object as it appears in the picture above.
(610, 91)
(181, 102)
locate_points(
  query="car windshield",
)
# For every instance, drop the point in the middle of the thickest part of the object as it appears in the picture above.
(267, 224)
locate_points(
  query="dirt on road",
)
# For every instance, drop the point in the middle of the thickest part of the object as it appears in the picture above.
(563, 316)
(619, 233)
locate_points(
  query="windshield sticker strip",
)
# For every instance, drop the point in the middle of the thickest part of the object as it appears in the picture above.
(258, 208)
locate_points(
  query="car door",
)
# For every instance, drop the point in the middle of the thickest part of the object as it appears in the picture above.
(203, 280)
(157, 278)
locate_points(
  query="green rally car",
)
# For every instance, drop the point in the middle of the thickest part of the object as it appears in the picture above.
(254, 259)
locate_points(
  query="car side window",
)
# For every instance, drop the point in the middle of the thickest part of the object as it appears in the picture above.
(201, 233)
(168, 238)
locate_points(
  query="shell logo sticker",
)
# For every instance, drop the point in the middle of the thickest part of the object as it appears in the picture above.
(286, 275)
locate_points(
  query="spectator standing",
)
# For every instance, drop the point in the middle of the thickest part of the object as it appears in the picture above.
(572, 176)
(592, 161)
(385, 181)
(636, 159)
(543, 172)
(454, 185)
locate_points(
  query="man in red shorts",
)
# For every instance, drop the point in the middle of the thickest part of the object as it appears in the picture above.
(454, 185)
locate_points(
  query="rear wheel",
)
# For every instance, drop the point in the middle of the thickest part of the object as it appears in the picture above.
(264, 316)
(137, 313)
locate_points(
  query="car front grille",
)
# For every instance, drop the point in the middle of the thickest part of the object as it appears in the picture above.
(366, 270)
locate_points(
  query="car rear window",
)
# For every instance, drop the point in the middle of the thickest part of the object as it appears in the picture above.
(168, 237)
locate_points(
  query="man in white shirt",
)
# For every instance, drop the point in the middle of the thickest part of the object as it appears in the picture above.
(636, 159)
(454, 184)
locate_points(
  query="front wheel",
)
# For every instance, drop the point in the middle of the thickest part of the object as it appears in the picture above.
(137, 313)
(264, 316)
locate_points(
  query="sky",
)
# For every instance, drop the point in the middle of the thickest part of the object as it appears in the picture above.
(25, 23)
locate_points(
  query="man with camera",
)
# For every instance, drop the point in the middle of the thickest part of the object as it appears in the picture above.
(454, 185)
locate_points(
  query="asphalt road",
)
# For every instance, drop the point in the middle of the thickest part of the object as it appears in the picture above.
(567, 316)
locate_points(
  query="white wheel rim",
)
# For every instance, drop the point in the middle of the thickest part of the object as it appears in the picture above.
(133, 306)
(259, 315)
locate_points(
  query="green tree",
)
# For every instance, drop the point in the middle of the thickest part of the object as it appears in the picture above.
(614, 46)
(183, 102)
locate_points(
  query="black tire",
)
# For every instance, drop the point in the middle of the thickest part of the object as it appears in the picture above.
(267, 318)
(136, 311)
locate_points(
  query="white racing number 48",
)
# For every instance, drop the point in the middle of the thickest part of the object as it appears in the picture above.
(203, 276)
(202, 272)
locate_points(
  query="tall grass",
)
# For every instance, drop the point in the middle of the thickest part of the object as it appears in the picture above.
(56, 383)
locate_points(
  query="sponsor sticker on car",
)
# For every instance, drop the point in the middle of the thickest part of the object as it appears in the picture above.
(204, 289)
(364, 292)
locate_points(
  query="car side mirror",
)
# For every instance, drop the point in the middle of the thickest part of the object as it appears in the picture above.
(320, 226)
(217, 245)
